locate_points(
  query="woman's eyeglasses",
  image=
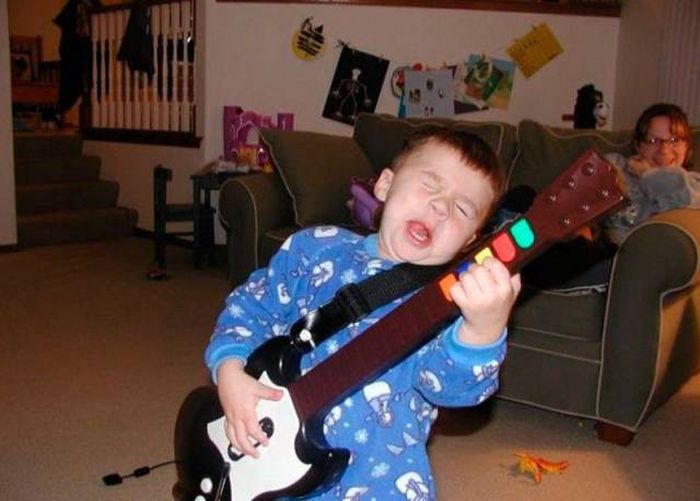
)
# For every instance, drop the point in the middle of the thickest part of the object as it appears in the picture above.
(673, 141)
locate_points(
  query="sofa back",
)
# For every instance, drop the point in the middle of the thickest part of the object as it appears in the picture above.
(544, 151)
(381, 136)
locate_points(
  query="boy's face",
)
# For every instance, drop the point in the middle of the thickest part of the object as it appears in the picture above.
(434, 205)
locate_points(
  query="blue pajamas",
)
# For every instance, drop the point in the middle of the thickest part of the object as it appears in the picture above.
(386, 423)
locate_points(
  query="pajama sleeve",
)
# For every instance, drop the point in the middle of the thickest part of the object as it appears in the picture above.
(451, 373)
(257, 310)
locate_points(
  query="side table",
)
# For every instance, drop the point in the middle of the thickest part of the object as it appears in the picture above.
(204, 181)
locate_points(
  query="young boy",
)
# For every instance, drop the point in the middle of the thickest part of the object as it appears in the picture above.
(440, 190)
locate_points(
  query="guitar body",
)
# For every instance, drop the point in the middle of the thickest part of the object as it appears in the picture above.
(296, 462)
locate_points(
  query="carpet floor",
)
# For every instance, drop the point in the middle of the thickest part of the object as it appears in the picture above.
(95, 360)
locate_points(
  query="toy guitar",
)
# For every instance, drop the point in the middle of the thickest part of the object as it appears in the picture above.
(298, 460)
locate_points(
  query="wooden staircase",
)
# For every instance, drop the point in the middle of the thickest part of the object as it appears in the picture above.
(60, 196)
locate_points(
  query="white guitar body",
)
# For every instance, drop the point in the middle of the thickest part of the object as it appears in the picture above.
(278, 465)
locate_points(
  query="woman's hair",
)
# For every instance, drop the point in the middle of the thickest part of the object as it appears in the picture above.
(473, 150)
(679, 125)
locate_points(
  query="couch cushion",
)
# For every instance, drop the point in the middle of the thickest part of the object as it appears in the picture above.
(546, 151)
(316, 169)
(382, 136)
(551, 320)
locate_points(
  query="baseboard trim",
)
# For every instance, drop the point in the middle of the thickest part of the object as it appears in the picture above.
(170, 239)
(8, 248)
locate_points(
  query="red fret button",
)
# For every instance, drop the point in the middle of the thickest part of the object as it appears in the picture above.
(504, 248)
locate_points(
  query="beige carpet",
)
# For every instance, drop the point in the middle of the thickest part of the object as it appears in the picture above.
(95, 360)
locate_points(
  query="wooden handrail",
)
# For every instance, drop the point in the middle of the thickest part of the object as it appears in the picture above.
(605, 8)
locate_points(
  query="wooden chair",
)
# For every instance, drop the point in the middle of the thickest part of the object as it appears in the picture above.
(164, 213)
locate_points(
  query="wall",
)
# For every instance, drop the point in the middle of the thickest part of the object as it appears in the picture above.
(250, 62)
(8, 218)
(35, 17)
(639, 59)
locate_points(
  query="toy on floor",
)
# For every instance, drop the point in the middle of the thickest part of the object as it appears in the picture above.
(535, 466)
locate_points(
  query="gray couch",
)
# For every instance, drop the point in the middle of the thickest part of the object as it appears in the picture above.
(611, 356)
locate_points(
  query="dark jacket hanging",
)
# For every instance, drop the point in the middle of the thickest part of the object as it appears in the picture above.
(137, 44)
(75, 51)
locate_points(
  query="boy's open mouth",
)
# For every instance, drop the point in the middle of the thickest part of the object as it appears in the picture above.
(418, 233)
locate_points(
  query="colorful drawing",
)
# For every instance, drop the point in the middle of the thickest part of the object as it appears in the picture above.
(429, 93)
(537, 48)
(483, 82)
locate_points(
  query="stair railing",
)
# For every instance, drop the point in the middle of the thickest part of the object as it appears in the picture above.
(125, 105)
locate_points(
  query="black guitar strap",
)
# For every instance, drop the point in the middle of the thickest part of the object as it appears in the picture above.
(352, 302)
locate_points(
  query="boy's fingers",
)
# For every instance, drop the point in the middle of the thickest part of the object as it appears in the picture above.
(516, 283)
(243, 437)
(269, 393)
(231, 435)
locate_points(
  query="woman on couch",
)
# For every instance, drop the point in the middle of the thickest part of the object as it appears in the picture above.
(657, 177)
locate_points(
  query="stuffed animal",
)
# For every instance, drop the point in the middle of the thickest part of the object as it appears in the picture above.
(587, 98)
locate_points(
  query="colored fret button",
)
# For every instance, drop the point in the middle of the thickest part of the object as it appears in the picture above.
(504, 248)
(445, 283)
(522, 234)
(462, 267)
(482, 255)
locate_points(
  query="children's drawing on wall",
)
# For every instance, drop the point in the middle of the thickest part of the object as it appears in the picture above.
(398, 85)
(429, 93)
(356, 85)
(308, 42)
(535, 49)
(483, 82)
(590, 110)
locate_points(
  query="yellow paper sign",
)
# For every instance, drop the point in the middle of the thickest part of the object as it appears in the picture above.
(532, 51)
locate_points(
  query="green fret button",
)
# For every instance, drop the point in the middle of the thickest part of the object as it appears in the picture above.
(522, 234)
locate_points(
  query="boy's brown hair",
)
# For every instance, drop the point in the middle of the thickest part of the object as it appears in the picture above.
(473, 150)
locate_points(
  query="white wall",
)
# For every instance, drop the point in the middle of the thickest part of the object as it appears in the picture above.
(639, 59)
(8, 218)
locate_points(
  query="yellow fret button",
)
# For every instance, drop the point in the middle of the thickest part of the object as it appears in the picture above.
(482, 255)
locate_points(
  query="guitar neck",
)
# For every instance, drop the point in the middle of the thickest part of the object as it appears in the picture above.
(555, 214)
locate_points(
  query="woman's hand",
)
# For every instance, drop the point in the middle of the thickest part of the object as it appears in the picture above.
(239, 395)
(485, 295)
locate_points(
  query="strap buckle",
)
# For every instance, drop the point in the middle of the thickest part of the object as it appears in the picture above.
(348, 306)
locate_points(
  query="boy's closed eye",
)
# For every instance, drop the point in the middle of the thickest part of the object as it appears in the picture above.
(431, 186)
(466, 209)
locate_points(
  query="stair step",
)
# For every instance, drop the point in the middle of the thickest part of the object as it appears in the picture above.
(59, 169)
(33, 145)
(58, 197)
(75, 226)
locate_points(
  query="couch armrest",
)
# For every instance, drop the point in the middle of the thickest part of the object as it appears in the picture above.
(246, 218)
(651, 339)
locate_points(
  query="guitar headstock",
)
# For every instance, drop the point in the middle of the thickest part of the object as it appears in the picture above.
(583, 193)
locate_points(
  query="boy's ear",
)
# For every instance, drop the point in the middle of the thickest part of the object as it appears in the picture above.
(381, 187)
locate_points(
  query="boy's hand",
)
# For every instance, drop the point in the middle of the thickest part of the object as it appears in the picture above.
(485, 295)
(239, 395)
